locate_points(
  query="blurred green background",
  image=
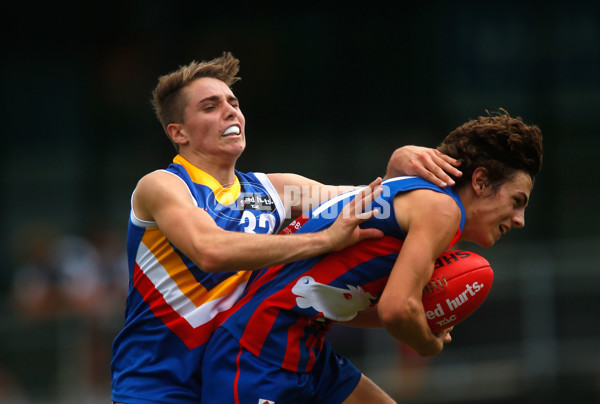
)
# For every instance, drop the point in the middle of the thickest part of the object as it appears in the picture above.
(329, 92)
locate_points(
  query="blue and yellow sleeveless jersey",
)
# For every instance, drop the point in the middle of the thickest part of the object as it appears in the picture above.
(286, 311)
(173, 306)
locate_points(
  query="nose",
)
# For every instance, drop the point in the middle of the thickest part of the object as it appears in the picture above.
(230, 111)
(518, 220)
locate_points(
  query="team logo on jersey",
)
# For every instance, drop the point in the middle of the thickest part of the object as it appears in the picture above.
(263, 401)
(339, 304)
(253, 201)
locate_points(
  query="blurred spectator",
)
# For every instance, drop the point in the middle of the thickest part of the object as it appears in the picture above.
(78, 285)
(71, 275)
(79, 280)
(114, 274)
(34, 282)
(60, 276)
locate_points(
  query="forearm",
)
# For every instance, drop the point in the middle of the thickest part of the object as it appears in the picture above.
(255, 251)
(214, 249)
(409, 325)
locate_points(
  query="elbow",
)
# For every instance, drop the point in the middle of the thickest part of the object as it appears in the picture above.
(209, 260)
(398, 313)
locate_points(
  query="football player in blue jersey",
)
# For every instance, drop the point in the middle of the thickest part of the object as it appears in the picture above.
(198, 228)
(272, 345)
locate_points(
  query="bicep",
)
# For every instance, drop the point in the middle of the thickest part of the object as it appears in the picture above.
(166, 200)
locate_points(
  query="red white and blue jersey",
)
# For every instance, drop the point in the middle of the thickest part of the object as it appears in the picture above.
(173, 306)
(287, 310)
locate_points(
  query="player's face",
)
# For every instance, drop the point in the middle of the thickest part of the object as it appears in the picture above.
(494, 214)
(213, 122)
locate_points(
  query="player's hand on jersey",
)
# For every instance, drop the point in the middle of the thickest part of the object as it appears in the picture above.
(345, 232)
(423, 162)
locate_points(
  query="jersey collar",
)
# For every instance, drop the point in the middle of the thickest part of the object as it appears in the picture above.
(224, 195)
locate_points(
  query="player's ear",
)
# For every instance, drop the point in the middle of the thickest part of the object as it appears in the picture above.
(480, 180)
(176, 133)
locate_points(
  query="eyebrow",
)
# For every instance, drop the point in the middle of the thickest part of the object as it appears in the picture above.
(215, 98)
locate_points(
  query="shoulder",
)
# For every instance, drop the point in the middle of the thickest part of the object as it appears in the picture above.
(160, 180)
(156, 189)
(427, 201)
(426, 205)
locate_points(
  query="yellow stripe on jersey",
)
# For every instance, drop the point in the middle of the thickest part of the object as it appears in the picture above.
(164, 253)
(223, 195)
(229, 285)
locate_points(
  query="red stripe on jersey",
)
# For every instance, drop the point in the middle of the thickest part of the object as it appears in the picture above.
(295, 225)
(263, 330)
(336, 264)
(455, 239)
(313, 342)
(192, 337)
(375, 287)
(236, 393)
(292, 353)
(325, 271)
(257, 282)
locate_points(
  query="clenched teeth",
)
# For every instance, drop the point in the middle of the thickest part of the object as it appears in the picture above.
(232, 130)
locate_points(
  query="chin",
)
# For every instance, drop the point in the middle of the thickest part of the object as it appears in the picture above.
(238, 149)
(490, 243)
(487, 243)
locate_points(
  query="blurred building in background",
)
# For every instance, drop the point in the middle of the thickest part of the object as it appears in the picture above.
(327, 93)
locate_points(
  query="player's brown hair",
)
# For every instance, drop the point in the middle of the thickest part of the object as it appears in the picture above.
(168, 99)
(497, 142)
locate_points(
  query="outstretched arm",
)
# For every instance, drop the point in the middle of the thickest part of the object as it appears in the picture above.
(300, 194)
(162, 198)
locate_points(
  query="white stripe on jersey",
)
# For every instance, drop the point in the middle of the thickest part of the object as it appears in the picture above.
(268, 186)
(164, 284)
(333, 201)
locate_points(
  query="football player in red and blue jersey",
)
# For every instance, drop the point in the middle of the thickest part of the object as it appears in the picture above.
(272, 347)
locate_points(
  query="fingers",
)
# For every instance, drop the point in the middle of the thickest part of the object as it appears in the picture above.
(445, 335)
(427, 163)
(369, 233)
(437, 168)
(436, 175)
(374, 184)
(344, 231)
(363, 199)
(447, 163)
(452, 161)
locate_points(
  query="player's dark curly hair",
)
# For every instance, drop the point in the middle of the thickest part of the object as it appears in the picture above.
(167, 99)
(499, 143)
